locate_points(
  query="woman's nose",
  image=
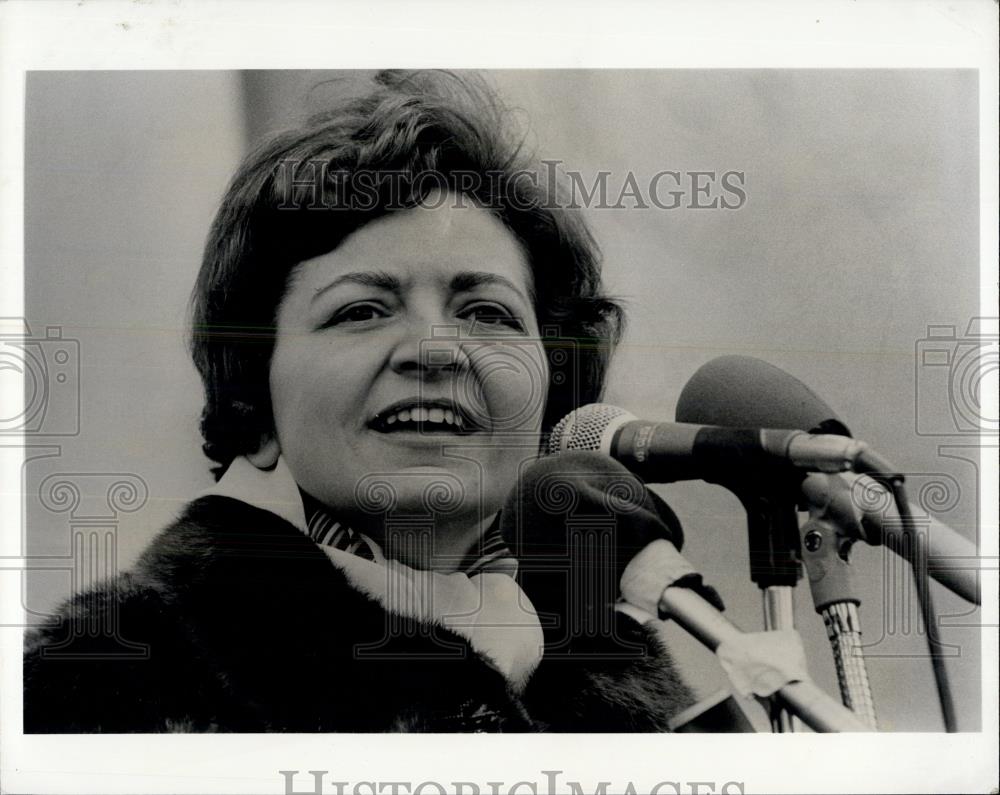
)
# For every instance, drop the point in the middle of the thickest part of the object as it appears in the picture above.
(428, 347)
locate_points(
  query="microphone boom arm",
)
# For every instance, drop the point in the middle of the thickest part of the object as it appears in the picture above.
(803, 698)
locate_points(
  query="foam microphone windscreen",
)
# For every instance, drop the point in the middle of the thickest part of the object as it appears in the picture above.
(744, 392)
(583, 488)
(574, 521)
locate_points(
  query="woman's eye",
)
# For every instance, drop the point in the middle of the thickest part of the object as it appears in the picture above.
(356, 313)
(491, 315)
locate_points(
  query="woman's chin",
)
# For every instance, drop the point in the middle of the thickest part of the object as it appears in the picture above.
(419, 488)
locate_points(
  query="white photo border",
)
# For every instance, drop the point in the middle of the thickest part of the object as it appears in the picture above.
(224, 35)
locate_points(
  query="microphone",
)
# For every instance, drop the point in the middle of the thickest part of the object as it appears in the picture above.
(593, 491)
(768, 395)
(758, 465)
(574, 522)
(665, 452)
(741, 391)
(585, 530)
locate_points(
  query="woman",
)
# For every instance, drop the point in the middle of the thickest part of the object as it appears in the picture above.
(390, 316)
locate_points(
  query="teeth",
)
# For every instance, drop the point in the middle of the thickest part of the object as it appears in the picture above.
(420, 414)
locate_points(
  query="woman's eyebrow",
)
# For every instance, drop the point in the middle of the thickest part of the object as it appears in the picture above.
(469, 280)
(377, 279)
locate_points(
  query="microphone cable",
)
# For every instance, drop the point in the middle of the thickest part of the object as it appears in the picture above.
(917, 556)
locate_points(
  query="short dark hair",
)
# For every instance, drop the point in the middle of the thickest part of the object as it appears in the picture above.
(298, 196)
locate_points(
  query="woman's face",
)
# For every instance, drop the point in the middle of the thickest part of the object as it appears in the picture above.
(408, 365)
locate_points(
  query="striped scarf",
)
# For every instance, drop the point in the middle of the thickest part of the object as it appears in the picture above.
(491, 554)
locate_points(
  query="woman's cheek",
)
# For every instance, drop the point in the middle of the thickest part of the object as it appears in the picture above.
(514, 383)
(525, 394)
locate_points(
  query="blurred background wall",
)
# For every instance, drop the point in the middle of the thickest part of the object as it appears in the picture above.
(860, 229)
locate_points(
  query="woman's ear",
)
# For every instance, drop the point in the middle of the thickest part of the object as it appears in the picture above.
(267, 453)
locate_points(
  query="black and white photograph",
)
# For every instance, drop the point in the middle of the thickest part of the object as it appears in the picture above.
(353, 409)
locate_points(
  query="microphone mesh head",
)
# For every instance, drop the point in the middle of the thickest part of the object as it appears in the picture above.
(586, 428)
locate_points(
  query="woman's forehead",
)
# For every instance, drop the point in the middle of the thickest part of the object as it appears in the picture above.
(451, 242)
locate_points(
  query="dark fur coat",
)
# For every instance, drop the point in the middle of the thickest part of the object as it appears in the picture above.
(233, 620)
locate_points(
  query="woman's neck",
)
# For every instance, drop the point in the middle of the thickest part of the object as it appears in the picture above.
(433, 543)
(434, 546)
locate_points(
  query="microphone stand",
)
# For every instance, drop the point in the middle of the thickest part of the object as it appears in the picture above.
(775, 564)
(826, 544)
(803, 698)
(755, 664)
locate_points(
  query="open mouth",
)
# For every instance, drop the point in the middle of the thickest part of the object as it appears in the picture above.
(424, 416)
